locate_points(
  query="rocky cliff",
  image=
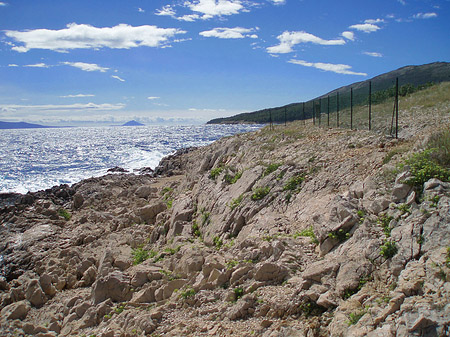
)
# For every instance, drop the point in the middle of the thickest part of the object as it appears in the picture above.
(297, 231)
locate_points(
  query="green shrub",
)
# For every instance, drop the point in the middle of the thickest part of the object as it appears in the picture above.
(232, 178)
(196, 230)
(238, 293)
(388, 249)
(308, 232)
(384, 220)
(424, 166)
(236, 202)
(215, 172)
(271, 168)
(260, 192)
(354, 317)
(339, 234)
(232, 264)
(294, 183)
(187, 293)
(65, 214)
(139, 255)
(447, 259)
(218, 243)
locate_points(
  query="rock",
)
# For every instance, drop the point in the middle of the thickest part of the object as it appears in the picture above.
(240, 273)
(18, 310)
(378, 205)
(270, 272)
(46, 284)
(327, 300)
(115, 286)
(78, 201)
(34, 294)
(422, 322)
(146, 295)
(89, 276)
(400, 192)
(145, 191)
(169, 288)
(148, 213)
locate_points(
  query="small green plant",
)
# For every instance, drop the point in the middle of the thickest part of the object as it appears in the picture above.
(259, 193)
(423, 167)
(362, 281)
(236, 202)
(238, 293)
(205, 218)
(311, 308)
(434, 200)
(65, 214)
(172, 251)
(215, 172)
(293, 184)
(271, 168)
(354, 317)
(388, 249)
(232, 263)
(167, 192)
(187, 293)
(447, 258)
(196, 230)
(218, 243)
(384, 220)
(420, 239)
(340, 235)
(119, 309)
(232, 178)
(107, 317)
(308, 232)
(404, 208)
(361, 215)
(139, 255)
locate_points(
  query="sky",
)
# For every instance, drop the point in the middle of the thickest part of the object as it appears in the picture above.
(91, 62)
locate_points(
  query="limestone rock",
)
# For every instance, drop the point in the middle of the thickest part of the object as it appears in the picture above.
(148, 213)
(115, 286)
(18, 310)
(270, 272)
(34, 294)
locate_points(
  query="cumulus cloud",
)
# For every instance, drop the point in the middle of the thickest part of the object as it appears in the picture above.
(153, 97)
(86, 66)
(290, 39)
(212, 8)
(365, 27)
(336, 68)
(118, 78)
(84, 36)
(140, 10)
(278, 2)
(166, 11)
(373, 54)
(77, 96)
(12, 65)
(425, 15)
(3, 4)
(230, 33)
(403, 2)
(349, 35)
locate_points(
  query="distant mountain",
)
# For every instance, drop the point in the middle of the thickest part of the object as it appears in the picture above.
(408, 76)
(133, 123)
(20, 125)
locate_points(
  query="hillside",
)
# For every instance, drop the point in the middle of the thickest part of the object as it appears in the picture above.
(20, 125)
(295, 231)
(411, 75)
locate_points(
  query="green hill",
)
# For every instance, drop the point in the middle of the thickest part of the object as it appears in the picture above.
(411, 78)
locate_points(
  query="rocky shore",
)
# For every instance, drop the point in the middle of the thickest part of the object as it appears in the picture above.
(300, 231)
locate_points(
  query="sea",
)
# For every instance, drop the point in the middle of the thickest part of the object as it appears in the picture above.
(38, 159)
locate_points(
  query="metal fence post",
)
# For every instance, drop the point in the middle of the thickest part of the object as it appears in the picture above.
(370, 105)
(337, 109)
(351, 108)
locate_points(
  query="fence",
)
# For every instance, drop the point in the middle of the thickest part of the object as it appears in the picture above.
(366, 105)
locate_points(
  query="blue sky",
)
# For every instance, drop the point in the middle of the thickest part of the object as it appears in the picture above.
(90, 62)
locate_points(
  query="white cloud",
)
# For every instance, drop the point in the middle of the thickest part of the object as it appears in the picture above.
(212, 8)
(77, 96)
(153, 97)
(349, 35)
(118, 78)
(373, 21)
(37, 65)
(189, 17)
(373, 54)
(140, 10)
(62, 107)
(83, 36)
(403, 2)
(12, 65)
(290, 39)
(86, 66)
(278, 2)
(425, 15)
(166, 11)
(230, 33)
(365, 27)
(336, 68)
(2, 4)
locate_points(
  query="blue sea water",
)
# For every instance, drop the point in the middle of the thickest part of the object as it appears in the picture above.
(37, 159)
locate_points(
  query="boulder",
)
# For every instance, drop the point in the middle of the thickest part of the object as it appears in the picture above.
(270, 272)
(145, 191)
(115, 286)
(34, 294)
(148, 213)
(18, 310)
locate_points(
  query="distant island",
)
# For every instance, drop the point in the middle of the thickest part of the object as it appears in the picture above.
(21, 125)
(133, 123)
